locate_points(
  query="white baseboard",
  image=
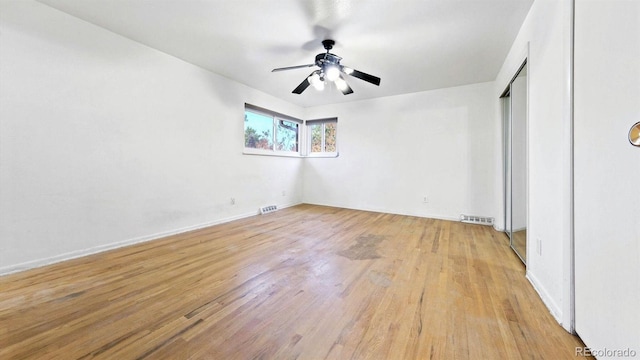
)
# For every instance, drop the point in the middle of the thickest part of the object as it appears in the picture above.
(551, 305)
(387, 211)
(106, 247)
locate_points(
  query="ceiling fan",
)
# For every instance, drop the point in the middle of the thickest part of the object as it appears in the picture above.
(330, 70)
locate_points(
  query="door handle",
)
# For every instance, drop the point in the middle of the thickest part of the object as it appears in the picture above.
(634, 134)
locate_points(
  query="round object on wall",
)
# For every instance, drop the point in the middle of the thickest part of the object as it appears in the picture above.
(634, 134)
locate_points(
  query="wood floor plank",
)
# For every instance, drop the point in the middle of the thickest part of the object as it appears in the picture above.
(308, 282)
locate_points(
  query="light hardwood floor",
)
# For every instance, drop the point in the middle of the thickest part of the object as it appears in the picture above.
(307, 282)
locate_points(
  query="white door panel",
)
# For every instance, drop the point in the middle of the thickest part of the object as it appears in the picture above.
(607, 175)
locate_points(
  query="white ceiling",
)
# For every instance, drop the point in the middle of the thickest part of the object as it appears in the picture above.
(413, 45)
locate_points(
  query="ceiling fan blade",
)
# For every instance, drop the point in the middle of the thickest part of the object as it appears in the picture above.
(303, 85)
(292, 67)
(362, 76)
(342, 85)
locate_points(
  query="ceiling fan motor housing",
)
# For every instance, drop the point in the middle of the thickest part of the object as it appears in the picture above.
(327, 58)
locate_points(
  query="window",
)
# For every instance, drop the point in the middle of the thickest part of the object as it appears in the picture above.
(323, 137)
(270, 133)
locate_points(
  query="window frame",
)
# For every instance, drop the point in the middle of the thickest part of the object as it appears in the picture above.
(321, 154)
(276, 119)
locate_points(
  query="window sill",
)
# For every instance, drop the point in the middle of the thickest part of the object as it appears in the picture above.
(323, 155)
(286, 154)
(270, 153)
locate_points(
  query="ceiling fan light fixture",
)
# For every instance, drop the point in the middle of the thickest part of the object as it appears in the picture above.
(341, 84)
(331, 72)
(316, 81)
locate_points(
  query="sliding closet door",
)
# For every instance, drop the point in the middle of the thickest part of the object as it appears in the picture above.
(506, 102)
(515, 110)
(519, 164)
(607, 176)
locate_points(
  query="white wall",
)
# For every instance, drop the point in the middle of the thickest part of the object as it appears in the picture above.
(545, 36)
(396, 150)
(104, 141)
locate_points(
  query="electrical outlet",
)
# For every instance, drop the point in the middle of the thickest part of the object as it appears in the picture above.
(425, 199)
(233, 201)
(284, 193)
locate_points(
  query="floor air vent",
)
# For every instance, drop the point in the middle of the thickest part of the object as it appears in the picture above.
(481, 220)
(268, 209)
